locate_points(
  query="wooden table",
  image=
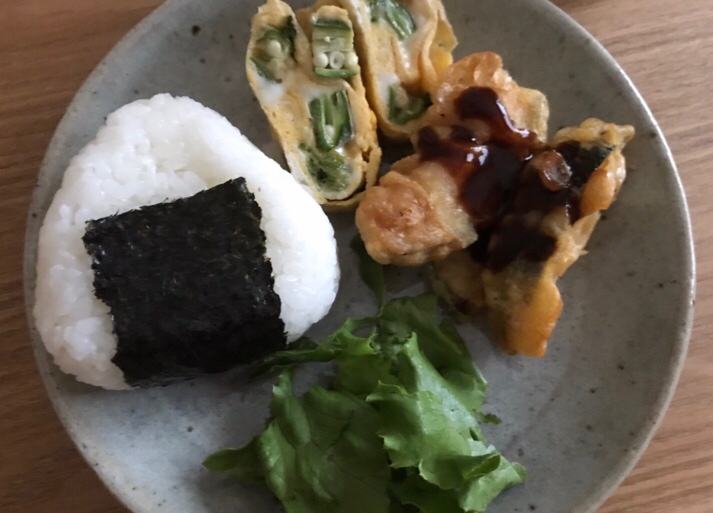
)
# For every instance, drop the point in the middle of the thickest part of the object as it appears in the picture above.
(47, 48)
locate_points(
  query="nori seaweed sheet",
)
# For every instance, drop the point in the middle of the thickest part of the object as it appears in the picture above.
(188, 284)
(583, 160)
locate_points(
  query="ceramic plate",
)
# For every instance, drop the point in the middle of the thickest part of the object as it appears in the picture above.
(578, 419)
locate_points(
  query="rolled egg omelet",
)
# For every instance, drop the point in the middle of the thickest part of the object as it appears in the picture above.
(305, 72)
(404, 45)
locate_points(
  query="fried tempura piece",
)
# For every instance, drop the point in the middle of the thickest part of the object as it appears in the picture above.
(484, 179)
(522, 298)
(527, 108)
(411, 217)
(414, 215)
(458, 280)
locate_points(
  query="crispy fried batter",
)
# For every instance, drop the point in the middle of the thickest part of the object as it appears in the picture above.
(458, 279)
(600, 191)
(523, 301)
(604, 185)
(528, 108)
(414, 216)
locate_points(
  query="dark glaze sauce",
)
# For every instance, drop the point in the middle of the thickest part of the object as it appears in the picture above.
(509, 182)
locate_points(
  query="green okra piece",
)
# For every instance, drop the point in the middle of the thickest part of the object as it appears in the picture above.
(405, 107)
(329, 169)
(331, 120)
(333, 49)
(274, 48)
(395, 15)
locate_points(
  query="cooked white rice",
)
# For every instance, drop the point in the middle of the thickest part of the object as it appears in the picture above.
(151, 151)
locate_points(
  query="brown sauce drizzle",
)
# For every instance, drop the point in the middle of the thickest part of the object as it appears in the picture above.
(509, 181)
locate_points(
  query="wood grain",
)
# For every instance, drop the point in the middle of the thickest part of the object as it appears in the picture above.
(47, 48)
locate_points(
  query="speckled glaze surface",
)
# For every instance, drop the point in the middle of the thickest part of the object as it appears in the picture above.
(578, 419)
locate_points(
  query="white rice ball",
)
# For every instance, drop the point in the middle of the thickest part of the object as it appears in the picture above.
(151, 151)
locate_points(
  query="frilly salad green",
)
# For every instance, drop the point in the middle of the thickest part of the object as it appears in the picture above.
(397, 431)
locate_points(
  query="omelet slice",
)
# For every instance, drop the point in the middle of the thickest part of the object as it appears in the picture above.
(403, 45)
(306, 75)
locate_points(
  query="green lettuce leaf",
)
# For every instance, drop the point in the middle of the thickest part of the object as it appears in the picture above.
(319, 452)
(428, 498)
(399, 430)
(443, 349)
(430, 423)
(240, 463)
(342, 343)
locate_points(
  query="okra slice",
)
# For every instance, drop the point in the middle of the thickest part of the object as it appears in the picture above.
(405, 107)
(333, 49)
(329, 169)
(273, 50)
(331, 120)
(395, 15)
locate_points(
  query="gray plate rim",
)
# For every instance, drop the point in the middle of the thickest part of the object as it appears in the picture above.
(625, 466)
